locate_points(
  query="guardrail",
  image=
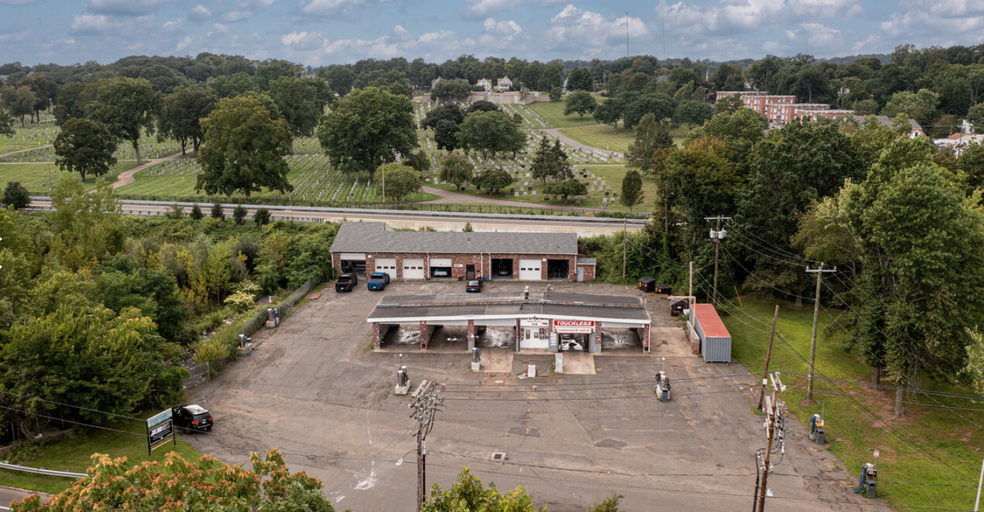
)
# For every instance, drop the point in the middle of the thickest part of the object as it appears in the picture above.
(42, 471)
(129, 204)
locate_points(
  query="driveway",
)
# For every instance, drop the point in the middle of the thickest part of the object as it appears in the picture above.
(314, 390)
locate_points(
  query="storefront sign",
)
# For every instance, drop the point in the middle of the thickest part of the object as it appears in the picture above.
(534, 322)
(574, 326)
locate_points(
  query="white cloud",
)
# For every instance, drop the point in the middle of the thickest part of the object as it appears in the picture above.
(184, 44)
(14, 37)
(502, 28)
(482, 8)
(742, 16)
(773, 47)
(200, 11)
(93, 23)
(856, 11)
(220, 28)
(590, 29)
(234, 16)
(16, 2)
(933, 18)
(172, 25)
(334, 7)
(822, 37)
(123, 7)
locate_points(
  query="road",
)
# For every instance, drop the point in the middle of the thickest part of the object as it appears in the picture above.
(441, 221)
(9, 494)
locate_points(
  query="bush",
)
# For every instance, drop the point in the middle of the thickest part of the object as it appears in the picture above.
(217, 212)
(239, 214)
(467, 228)
(175, 212)
(196, 213)
(261, 217)
(212, 351)
(16, 195)
(555, 94)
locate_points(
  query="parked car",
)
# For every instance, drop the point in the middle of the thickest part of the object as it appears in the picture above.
(504, 271)
(191, 418)
(441, 272)
(346, 282)
(474, 286)
(378, 281)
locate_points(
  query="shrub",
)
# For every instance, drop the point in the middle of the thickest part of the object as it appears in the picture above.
(213, 350)
(217, 212)
(244, 296)
(261, 217)
(16, 195)
(175, 212)
(239, 214)
(196, 213)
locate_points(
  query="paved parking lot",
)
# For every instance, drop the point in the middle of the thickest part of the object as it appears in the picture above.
(316, 391)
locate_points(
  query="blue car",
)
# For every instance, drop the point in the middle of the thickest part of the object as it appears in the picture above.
(378, 281)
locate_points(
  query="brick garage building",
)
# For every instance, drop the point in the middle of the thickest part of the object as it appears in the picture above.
(368, 247)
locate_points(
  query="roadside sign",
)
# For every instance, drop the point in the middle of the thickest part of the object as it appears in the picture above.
(160, 430)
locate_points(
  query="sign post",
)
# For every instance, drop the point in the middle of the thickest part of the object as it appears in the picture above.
(160, 430)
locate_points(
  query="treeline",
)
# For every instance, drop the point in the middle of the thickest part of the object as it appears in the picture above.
(100, 311)
(900, 219)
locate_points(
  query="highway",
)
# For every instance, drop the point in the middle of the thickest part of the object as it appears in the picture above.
(400, 219)
(9, 494)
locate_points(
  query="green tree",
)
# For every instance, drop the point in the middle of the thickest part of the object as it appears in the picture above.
(19, 102)
(913, 264)
(920, 106)
(6, 123)
(456, 169)
(217, 211)
(178, 484)
(271, 69)
(261, 217)
(419, 161)
(85, 147)
(551, 77)
(567, 188)
(580, 79)
(450, 90)
(729, 103)
(631, 189)
(468, 493)
(244, 149)
(659, 105)
(126, 107)
(45, 91)
(481, 106)
(367, 127)
(693, 113)
(298, 102)
(401, 181)
(84, 226)
(163, 79)
(72, 101)
(609, 504)
(181, 115)
(493, 180)
(446, 135)
(740, 130)
(239, 214)
(793, 167)
(580, 102)
(340, 79)
(976, 117)
(650, 136)
(196, 212)
(449, 111)
(16, 195)
(489, 133)
(230, 86)
(608, 112)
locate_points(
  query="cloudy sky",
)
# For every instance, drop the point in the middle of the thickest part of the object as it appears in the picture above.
(341, 31)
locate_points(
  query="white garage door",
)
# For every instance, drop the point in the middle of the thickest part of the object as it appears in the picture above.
(440, 262)
(387, 265)
(529, 270)
(413, 268)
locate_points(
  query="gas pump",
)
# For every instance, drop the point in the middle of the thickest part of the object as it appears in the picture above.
(868, 480)
(816, 428)
(663, 387)
(402, 381)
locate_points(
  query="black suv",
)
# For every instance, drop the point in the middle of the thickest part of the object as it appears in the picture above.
(346, 282)
(191, 418)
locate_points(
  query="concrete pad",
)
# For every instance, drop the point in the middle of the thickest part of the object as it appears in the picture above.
(579, 363)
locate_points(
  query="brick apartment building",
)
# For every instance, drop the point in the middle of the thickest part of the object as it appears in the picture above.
(779, 110)
(368, 247)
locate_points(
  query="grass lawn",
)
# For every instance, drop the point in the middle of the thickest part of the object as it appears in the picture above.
(36, 176)
(606, 138)
(73, 454)
(553, 113)
(926, 446)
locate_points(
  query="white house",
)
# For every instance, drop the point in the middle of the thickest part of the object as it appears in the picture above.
(504, 84)
(484, 83)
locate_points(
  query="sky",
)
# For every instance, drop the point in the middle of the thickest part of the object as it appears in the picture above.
(318, 32)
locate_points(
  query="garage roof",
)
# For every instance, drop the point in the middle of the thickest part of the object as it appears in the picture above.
(372, 237)
(409, 309)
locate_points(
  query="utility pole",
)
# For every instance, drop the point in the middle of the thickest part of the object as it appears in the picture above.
(816, 313)
(425, 406)
(776, 417)
(768, 356)
(717, 236)
(624, 227)
(690, 289)
(980, 483)
(382, 174)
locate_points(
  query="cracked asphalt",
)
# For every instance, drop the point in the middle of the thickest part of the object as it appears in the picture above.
(315, 390)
